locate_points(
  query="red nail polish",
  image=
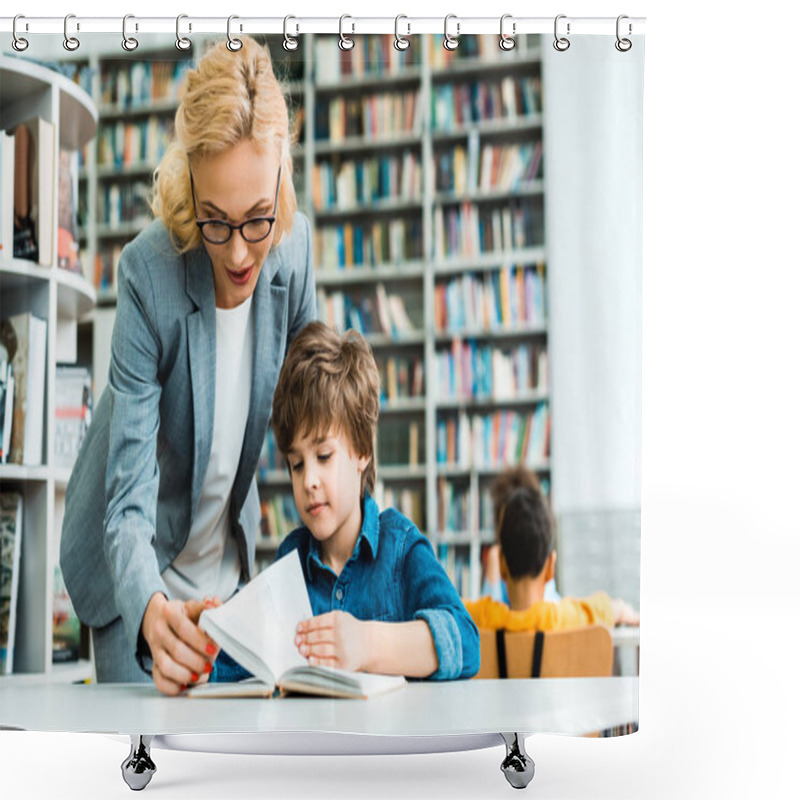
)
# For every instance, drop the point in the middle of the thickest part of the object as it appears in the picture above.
(207, 667)
(183, 688)
(195, 677)
(210, 649)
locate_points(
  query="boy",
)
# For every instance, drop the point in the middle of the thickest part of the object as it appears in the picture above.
(501, 488)
(527, 563)
(382, 601)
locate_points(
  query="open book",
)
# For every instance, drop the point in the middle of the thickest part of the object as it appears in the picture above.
(257, 628)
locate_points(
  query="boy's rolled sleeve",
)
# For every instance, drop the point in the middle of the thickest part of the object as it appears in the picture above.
(446, 640)
(430, 595)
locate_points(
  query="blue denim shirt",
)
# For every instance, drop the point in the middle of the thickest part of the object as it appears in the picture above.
(392, 576)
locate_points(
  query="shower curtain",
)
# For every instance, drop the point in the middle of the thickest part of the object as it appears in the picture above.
(475, 212)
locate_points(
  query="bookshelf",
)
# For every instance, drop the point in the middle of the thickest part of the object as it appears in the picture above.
(60, 298)
(421, 174)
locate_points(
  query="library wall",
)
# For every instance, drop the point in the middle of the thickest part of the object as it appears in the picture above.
(594, 175)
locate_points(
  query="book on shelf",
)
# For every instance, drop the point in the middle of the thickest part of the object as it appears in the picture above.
(279, 517)
(468, 230)
(467, 371)
(257, 628)
(409, 502)
(453, 504)
(6, 403)
(24, 337)
(73, 403)
(67, 250)
(34, 190)
(6, 194)
(371, 244)
(11, 547)
(66, 626)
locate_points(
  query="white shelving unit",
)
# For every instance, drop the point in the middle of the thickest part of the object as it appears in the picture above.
(60, 297)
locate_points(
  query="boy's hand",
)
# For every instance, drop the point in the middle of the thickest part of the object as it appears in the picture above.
(623, 613)
(336, 639)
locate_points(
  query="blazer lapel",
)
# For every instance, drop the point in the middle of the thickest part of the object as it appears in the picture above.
(269, 343)
(202, 334)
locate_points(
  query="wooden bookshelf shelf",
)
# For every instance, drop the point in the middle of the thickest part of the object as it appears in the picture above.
(534, 189)
(354, 276)
(153, 107)
(507, 127)
(111, 171)
(384, 206)
(445, 337)
(362, 144)
(483, 403)
(489, 261)
(499, 62)
(408, 77)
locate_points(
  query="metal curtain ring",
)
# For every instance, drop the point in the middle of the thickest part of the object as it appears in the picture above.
(400, 42)
(561, 43)
(289, 42)
(182, 42)
(128, 42)
(19, 43)
(507, 42)
(623, 45)
(451, 42)
(234, 45)
(70, 42)
(345, 42)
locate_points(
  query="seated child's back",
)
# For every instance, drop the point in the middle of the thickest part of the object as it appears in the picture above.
(527, 563)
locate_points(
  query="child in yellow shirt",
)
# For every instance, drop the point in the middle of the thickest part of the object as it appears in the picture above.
(527, 563)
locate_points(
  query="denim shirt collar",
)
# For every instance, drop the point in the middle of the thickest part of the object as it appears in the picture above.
(370, 529)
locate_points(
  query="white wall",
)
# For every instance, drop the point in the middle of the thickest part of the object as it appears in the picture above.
(593, 219)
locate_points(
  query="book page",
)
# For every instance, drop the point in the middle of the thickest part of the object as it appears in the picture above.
(257, 625)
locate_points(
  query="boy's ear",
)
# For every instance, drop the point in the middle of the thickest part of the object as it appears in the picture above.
(504, 573)
(363, 461)
(550, 567)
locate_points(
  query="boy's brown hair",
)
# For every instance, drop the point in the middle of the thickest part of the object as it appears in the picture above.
(329, 380)
(504, 485)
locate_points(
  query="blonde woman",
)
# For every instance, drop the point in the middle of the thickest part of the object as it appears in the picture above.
(162, 507)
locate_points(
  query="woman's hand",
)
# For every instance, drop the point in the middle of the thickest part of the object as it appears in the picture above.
(182, 653)
(335, 639)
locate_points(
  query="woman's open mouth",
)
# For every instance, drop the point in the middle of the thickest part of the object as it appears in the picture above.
(241, 277)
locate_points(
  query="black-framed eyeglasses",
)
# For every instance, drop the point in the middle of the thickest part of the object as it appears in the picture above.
(218, 231)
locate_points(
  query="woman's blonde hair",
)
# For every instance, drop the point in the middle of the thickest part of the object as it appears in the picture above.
(229, 97)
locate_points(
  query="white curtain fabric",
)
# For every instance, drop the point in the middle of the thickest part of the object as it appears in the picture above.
(593, 219)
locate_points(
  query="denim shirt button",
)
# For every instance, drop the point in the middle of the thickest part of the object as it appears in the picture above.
(339, 594)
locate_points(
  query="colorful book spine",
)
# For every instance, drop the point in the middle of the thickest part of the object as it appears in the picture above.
(363, 182)
(134, 143)
(371, 56)
(498, 167)
(371, 117)
(494, 300)
(468, 230)
(496, 439)
(460, 104)
(467, 371)
(382, 242)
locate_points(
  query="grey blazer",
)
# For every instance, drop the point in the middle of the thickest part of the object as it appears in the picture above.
(135, 487)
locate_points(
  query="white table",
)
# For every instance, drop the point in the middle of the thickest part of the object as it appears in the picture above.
(421, 717)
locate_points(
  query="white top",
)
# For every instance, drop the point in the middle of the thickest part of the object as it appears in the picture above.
(209, 562)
